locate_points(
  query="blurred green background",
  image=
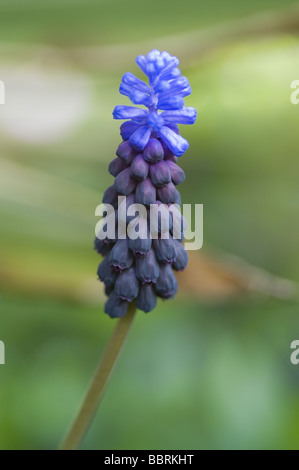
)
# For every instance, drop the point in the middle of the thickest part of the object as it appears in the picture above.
(208, 370)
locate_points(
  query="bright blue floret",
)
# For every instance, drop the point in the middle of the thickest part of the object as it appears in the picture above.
(165, 92)
(146, 172)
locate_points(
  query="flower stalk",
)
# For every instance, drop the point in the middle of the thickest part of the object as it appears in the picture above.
(96, 390)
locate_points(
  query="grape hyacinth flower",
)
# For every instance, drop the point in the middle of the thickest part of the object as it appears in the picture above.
(146, 172)
(137, 269)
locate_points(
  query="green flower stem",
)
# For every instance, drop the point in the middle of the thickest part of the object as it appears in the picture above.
(96, 389)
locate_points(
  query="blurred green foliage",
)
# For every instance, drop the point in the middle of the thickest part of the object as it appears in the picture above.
(193, 375)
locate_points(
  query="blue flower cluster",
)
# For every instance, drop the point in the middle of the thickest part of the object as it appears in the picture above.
(146, 172)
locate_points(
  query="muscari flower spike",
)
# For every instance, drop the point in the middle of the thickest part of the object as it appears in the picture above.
(146, 172)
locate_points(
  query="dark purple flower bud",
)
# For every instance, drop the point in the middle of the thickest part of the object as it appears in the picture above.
(139, 168)
(117, 166)
(181, 257)
(146, 193)
(165, 250)
(128, 128)
(102, 246)
(160, 174)
(153, 152)
(121, 257)
(169, 194)
(115, 307)
(126, 152)
(106, 273)
(124, 184)
(110, 196)
(147, 268)
(127, 286)
(166, 286)
(177, 174)
(147, 299)
(140, 246)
